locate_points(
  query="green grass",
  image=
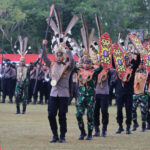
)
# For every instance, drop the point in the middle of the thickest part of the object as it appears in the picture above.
(32, 132)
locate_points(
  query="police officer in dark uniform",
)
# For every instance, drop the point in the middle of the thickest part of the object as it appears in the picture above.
(13, 80)
(32, 83)
(40, 77)
(59, 93)
(6, 80)
(124, 96)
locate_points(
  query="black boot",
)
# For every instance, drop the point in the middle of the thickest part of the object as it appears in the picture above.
(54, 139)
(46, 101)
(135, 126)
(24, 109)
(29, 101)
(89, 137)
(104, 131)
(128, 130)
(18, 110)
(119, 130)
(40, 102)
(143, 127)
(3, 101)
(62, 139)
(148, 126)
(97, 131)
(10, 101)
(34, 102)
(83, 134)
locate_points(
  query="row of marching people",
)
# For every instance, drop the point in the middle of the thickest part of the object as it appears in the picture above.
(125, 97)
(9, 78)
(99, 61)
(93, 94)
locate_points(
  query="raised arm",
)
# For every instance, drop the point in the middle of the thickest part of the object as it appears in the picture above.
(45, 58)
(98, 70)
(135, 63)
(34, 64)
(71, 59)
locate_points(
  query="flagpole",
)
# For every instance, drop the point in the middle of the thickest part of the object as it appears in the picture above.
(43, 46)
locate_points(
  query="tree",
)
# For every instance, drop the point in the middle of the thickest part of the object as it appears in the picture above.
(11, 22)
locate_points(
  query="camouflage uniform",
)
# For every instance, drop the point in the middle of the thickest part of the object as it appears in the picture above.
(86, 100)
(141, 99)
(21, 90)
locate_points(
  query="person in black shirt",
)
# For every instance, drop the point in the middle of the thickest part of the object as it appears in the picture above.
(124, 95)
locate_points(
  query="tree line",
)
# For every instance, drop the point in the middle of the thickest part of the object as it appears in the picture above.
(28, 18)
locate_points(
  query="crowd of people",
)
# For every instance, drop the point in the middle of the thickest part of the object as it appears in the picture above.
(8, 82)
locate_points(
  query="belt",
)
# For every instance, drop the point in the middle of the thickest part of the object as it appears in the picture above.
(141, 94)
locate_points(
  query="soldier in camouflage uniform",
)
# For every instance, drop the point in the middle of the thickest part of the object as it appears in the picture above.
(21, 90)
(23, 77)
(86, 97)
(140, 97)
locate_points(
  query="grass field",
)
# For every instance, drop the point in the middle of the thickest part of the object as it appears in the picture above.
(32, 132)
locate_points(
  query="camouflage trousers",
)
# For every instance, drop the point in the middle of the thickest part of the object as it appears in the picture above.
(143, 101)
(21, 92)
(85, 102)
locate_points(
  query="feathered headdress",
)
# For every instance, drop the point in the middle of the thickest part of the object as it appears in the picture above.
(76, 48)
(23, 46)
(98, 25)
(96, 43)
(93, 40)
(89, 42)
(59, 35)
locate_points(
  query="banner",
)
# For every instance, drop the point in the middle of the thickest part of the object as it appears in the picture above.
(147, 46)
(147, 57)
(119, 60)
(105, 51)
(138, 45)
